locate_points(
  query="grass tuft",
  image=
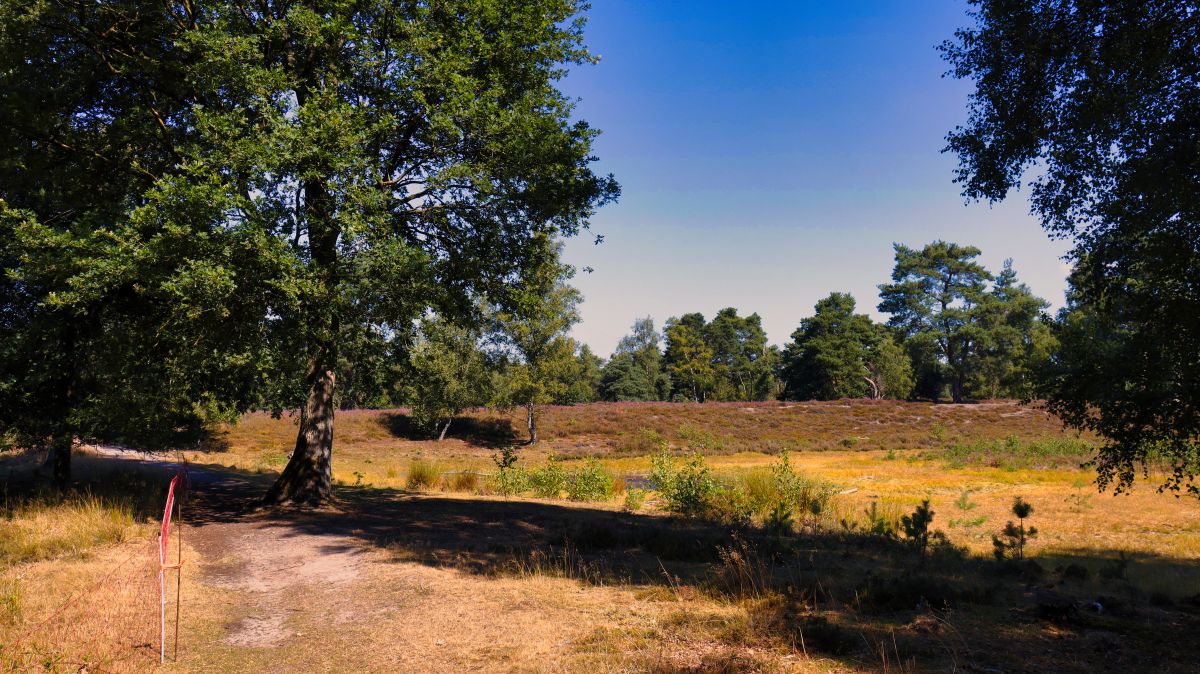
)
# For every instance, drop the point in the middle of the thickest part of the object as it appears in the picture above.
(52, 527)
(423, 475)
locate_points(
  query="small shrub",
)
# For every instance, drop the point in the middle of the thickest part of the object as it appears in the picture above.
(799, 493)
(510, 479)
(589, 482)
(964, 502)
(688, 489)
(423, 475)
(701, 440)
(916, 527)
(634, 500)
(1010, 543)
(548, 481)
(878, 522)
(779, 521)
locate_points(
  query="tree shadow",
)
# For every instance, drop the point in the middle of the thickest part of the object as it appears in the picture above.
(838, 594)
(490, 433)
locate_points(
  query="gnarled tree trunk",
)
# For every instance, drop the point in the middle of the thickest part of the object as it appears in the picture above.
(308, 476)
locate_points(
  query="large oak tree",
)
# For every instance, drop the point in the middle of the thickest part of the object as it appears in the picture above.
(287, 174)
(1099, 100)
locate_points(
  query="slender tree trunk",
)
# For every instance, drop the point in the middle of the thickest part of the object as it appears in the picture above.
(530, 409)
(445, 428)
(60, 459)
(308, 476)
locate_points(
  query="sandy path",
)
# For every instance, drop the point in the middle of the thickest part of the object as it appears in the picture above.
(297, 596)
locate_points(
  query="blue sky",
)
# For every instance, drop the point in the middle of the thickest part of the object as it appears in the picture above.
(770, 153)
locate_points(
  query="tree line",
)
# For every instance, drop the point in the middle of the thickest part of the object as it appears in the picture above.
(955, 330)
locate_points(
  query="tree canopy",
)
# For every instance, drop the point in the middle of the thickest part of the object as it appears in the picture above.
(1101, 101)
(297, 172)
(837, 353)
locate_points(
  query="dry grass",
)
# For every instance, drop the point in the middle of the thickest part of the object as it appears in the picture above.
(78, 571)
(48, 528)
(454, 579)
(826, 600)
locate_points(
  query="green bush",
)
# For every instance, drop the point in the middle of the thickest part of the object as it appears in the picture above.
(802, 495)
(510, 479)
(1011, 541)
(589, 482)
(916, 527)
(548, 481)
(688, 488)
(701, 440)
(634, 500)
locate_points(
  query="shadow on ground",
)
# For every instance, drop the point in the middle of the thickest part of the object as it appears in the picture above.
(843, 595)
(489, 432)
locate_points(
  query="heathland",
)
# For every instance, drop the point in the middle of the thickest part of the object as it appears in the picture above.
(632, 537)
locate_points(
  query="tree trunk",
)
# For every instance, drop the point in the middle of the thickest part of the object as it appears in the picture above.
(874, 388)
(308, 476)
(532, 423)
(60, 460)
(956, 387)
(445, 428)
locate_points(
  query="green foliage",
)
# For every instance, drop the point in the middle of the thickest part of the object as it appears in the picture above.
(447, 374)
(547, 368)
(510, 478)
(548, 481)
(635, 370)
(589, 482)
(916, 527)
(798, 493)
(839, 354)
(1012, 539)
(878, 522)
(964, 502)
(688, 488)
(634, 500)
(743, 364)
(229, 197)
(932, 300)
(779, 521)
(1097, 99)
(688, 358)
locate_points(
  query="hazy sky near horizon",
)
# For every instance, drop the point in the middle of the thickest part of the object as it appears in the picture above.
(770, 153)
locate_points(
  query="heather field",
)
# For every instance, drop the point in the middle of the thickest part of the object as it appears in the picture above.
(582, 554)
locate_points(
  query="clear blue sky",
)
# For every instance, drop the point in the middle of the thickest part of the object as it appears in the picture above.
(770, 153)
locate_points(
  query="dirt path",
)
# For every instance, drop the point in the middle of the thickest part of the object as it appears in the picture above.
(335, 589)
